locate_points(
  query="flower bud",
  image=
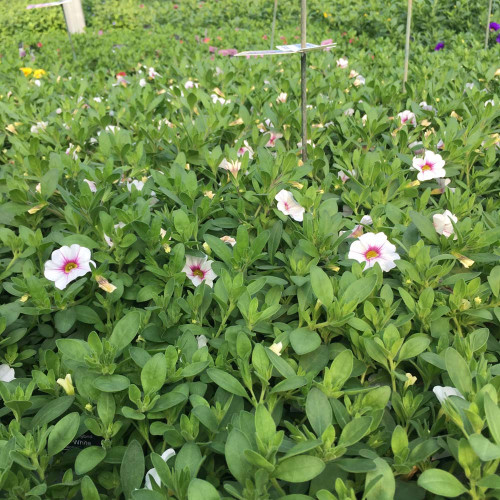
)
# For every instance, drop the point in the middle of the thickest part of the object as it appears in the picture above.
(67, 384)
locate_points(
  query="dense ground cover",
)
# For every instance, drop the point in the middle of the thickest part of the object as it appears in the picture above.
(182, 295)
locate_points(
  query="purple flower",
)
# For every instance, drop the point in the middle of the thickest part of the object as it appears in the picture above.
(498, 39)
(439, 46)
(494, 26)
(228, 52)
(22, 52)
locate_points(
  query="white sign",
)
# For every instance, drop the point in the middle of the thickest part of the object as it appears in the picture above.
(50, 4)
(286, 49)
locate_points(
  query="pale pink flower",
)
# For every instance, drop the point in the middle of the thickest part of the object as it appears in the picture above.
(228, 239)
(142, 82)
(407, 116)
(272, 140)
(67, 264)
(355, 233)
(232, 166)
(431, 166)
(7, 374)
(440, 144)
(92, 185)
(190, 84)
(289, 206)
(372, 248)
(344, 177)
(327, 42)
(199, 270)
(282, 97)
(72, 151)
(415, 144)
(443, 223)
(353, 73)
(246, 148)
(343, 62)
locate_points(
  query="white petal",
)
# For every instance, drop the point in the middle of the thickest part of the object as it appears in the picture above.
(7, 373)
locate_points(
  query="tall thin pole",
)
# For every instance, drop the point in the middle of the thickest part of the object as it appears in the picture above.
(69, 34)
(274, 23)
(303, 83)
(407, 45)
(488, 25)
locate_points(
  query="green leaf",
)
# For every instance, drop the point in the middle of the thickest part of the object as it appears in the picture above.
(354, 431)
(227, 382)
(51, 410)
(413, 346)
(65, 319)
(494, 281)
(154, 373)
(125, 330)
(304, 340)
(321, 286)
(132, 468)
(111, 383)
(385, 487)
(236, 444)
(299, 469)
(290, 384)
(74, 349)
(359, 290)
(202, 490)
(63, 433)
(458, 370)
(89, 458)
(440, 482)
(492, 417)
(280, 364)
(49, 182)
(484, 448)
(318, 411)
(425, 226)
(221, 249)
(264, 425)
(88, 489)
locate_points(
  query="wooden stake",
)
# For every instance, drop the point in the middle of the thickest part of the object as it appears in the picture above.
(407, 45)
(274, 23)
(488, 25)
(303, 82)
(69, 34)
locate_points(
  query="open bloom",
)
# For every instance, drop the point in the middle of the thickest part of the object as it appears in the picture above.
(372, 248)
(439, 46)
(152, 73)
(232, 166)
(349, 112)
(443, 223)
(342, 63)
(38, 73)
(26, 71)
(272, 140)
(151, 473)
(443, 393)
(228, 239)
(7, 373)
(494, 26)
(407, 116)
(288, 206)
(427, 107)
(190, 84)
(282, 97)
(431, 166)
(67, 264)
(67, 384)
(199, 270)
(360, 80)
(142, 82)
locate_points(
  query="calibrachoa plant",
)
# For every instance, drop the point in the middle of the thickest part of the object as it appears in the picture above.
(189, 311)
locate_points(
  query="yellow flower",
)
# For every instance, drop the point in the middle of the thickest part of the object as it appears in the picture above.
(26, 71)
(24, 298)
(38, 73)
(104, 284)
(67, 384)
(11, 128)
(325, 14)
(477, 300)
(209, 194)
(89, 407)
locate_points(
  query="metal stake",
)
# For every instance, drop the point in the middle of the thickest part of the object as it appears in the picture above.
(488, 25)
(274, 23)
(407, 45)
(303, 82)
(69, 34)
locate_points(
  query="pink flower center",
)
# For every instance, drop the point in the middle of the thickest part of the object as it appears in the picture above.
(197, 272)
(372, 253)
(69, 266)
(427, 166)
(287, 206)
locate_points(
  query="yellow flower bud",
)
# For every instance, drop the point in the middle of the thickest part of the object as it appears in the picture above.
(24, 298)
(207, 248)
(464, 305)
(67, 384)
(477, 300)
(104, 284)
(276, 348)
(89, 407)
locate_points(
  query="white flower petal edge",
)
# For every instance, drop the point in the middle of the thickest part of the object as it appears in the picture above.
(67, 264)
(151, 473)
(289, 206)
(443, 223)
(443, 393)
(431, 166)
(199, 270)
(7, 373)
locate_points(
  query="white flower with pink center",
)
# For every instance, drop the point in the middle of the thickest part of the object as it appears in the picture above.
(431, 166)
(407, 116)
(67, 264)
(344, 177)
(343, 62)
(231, 166)
(246, 148)
(374, 248)
(152, 73)
(199, 270)
(190, 84)
(443, 223)
(289, 206)
(272, 140)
